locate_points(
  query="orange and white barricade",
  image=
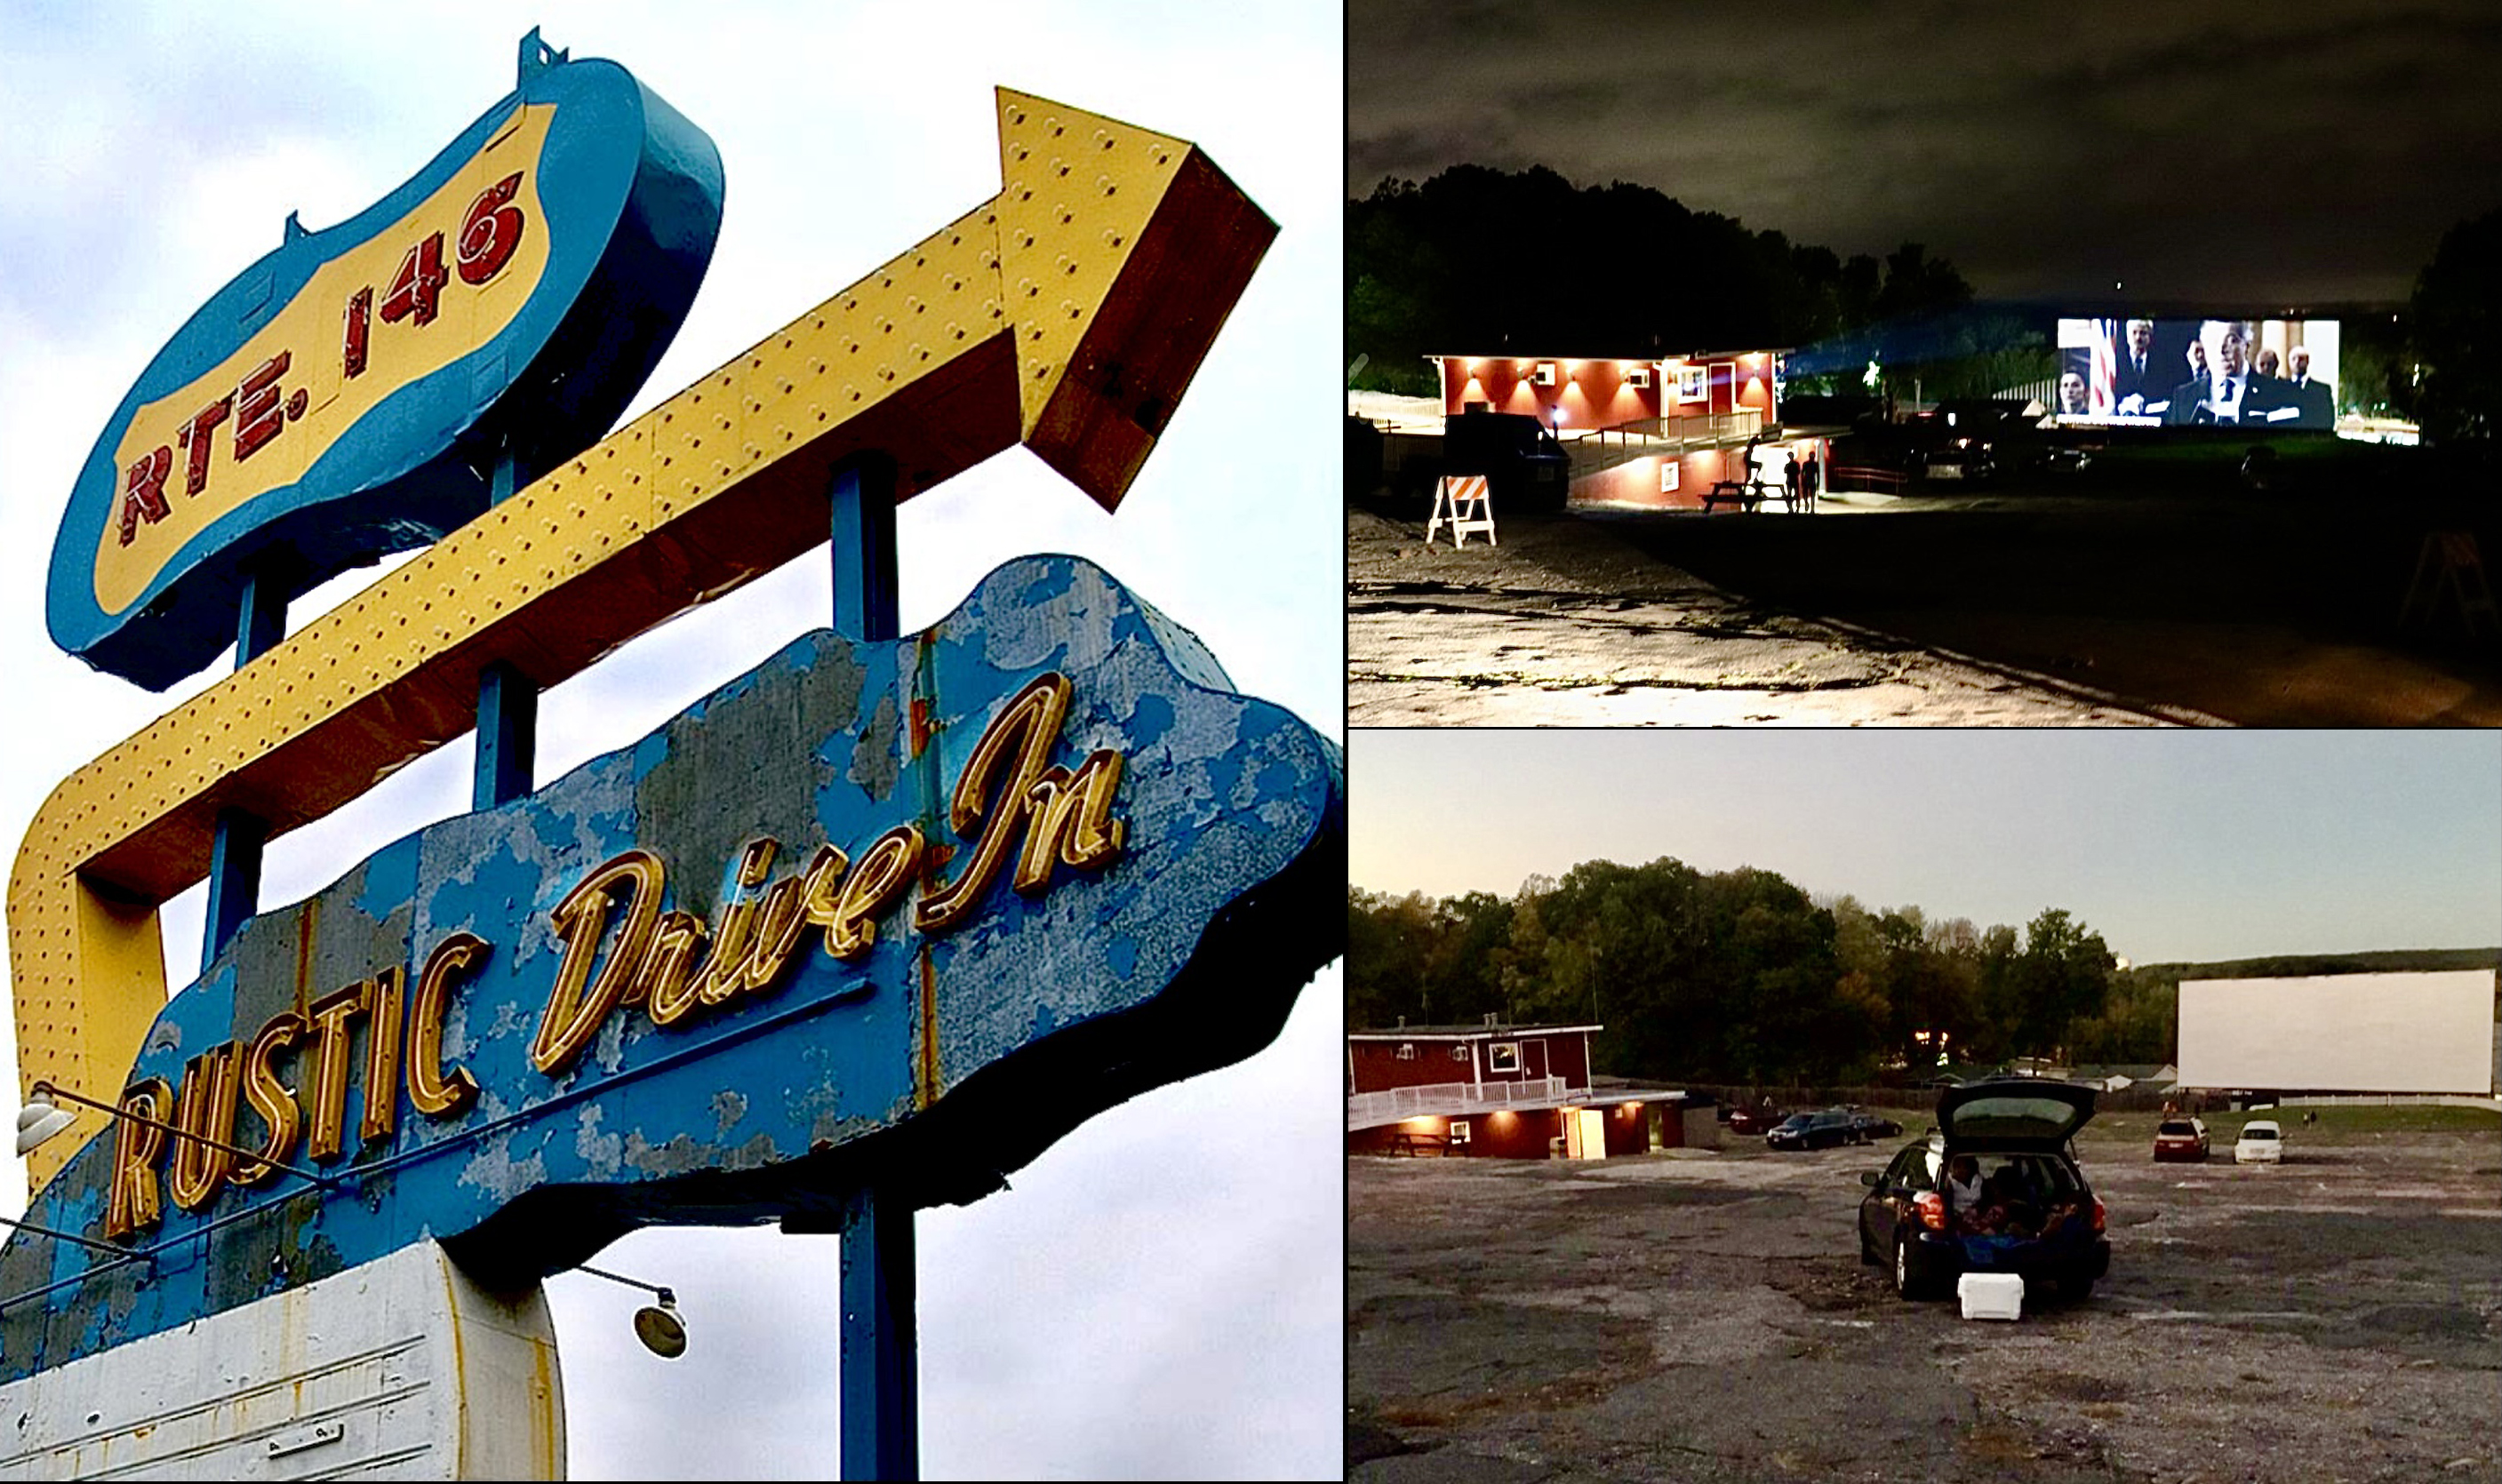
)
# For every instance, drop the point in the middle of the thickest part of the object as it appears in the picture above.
(1464, 503)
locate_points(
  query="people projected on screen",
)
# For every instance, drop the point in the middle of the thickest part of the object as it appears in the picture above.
(2072, 396)
(2278, 373)
(2319, 404)
(2135, 381)
(2229, 392)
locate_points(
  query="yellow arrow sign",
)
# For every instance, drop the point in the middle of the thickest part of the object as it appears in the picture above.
(1068, 313)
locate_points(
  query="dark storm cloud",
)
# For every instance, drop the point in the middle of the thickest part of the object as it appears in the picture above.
(2248, 150)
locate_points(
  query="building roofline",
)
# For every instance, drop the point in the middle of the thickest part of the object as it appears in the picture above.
(1463, 1032)
(1664, 358)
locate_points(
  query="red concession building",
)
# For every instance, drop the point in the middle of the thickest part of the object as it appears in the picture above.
(1566, 393)
(1512, 1092)
(1655, 434)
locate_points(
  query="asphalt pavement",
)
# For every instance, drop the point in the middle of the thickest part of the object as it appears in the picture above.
(1705, 1316)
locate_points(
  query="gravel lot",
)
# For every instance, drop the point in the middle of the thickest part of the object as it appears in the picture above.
(1705, 1316)
(2025, 608)
(1567, 624)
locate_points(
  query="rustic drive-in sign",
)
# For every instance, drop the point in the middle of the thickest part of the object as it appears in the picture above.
(887, 912)
(904, 911)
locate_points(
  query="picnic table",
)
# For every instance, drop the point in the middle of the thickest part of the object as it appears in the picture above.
(1748, 494)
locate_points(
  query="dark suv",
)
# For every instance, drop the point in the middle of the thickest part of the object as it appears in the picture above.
(1817, 1130)
(2036, 1215)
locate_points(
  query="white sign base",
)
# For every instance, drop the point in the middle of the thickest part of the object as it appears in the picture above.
(398, 1370)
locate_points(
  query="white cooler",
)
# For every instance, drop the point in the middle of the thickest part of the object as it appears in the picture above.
(1991, 1295)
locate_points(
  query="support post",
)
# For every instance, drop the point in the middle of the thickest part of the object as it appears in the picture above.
(880, 1400)
(880, 1365)
(863, 548)
(508, 722)
(234, 853)
(508, 700)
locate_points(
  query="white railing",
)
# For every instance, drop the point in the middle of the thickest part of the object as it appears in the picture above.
(1698, 430)
(1364, 1110)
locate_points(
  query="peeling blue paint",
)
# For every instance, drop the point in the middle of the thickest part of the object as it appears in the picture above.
(1184, 953)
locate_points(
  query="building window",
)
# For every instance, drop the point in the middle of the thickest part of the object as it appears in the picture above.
(1690, 384)
(1407, 1051)
(1504, 1057)
(1668, 469)
(1459, 1130)
(1460, 1052)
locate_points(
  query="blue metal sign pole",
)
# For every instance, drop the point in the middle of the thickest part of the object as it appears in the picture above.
(508, 703)
(880, 1361)
(879, 1354)
(863, 541)
(880, 1358)
(234, 853)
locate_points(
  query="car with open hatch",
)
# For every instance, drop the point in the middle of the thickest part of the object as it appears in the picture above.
(2181, 1138)
(2261, 1142)
(1993, 1188)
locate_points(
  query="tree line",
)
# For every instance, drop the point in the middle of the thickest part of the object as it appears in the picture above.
(1479, 261)
(1741, 976)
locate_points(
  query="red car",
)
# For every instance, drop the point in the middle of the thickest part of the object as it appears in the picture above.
(2181, 1138)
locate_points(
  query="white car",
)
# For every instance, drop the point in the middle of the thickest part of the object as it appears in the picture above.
(2261, 1143)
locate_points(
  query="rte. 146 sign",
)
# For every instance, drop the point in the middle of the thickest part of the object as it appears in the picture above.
(900, 913)
(350, 394)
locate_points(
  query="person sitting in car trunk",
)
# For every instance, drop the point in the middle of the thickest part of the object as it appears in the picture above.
(1963, 1186)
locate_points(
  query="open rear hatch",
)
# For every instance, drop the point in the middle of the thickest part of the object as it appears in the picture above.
(2016, 1112)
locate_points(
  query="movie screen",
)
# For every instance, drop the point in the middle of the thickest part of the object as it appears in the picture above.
(2153, 373)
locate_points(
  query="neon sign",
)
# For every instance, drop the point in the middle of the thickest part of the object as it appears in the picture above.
(349, 394)
(1027, 864)
(866, 931)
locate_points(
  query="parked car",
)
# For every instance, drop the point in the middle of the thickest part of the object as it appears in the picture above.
(1756, 1120)
(1967, 459)
(2261, 1142)
(2039, 1217)
(2181, 1138)
(1816, 1130)
(1873, 1126)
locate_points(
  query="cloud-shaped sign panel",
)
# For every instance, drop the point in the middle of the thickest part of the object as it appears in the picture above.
(896, 913)
(351, 394)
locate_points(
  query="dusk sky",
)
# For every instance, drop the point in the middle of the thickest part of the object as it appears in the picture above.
(1158, 1295)
(2174, 846)
(2243, 152)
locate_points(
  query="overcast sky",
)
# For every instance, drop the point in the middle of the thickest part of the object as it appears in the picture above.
(2243, 151)
(1158, 1296)
(2174, 846)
